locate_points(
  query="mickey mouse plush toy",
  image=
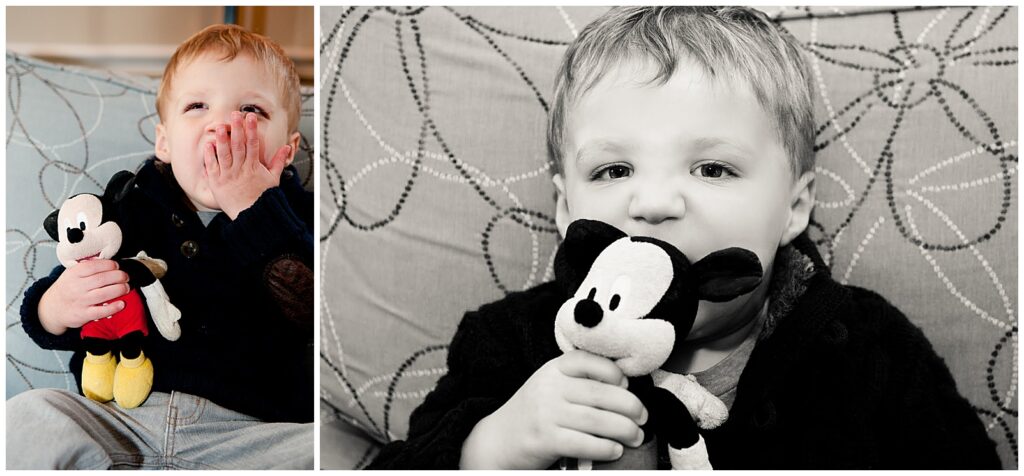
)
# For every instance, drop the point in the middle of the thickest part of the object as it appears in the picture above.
(83, 231)
(633, 300)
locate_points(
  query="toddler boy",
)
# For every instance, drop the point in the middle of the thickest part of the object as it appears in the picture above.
(694, 125)
(220, 204)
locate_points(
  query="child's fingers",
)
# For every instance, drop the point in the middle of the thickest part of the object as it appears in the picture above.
(278, 161)
(603, 396)
(602, 423)
(253, 154)
(107, 278)
(210, 160)
(100, 311)
(586, 365)
(238, 134)
(576, 444)
(224, 158)
(94, 266)
(107, 293)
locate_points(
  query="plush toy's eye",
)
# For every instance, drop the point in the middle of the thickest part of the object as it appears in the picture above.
(81, 219)
(593, 292)
(620, 292)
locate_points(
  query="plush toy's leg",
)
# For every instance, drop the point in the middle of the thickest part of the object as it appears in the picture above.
(98, 370)
(133, 379)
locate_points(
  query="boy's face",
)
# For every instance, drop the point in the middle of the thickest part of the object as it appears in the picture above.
(205, 92)
(694, 162)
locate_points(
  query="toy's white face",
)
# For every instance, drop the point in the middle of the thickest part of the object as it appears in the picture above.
(625, 282)
(81, 236)
(694, 162)
(205, 92)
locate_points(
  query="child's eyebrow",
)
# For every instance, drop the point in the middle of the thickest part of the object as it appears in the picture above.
(705, 143)
(600, 145)
(258, 95)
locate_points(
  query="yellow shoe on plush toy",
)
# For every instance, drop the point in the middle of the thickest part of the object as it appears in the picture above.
(98, 377)
(132, 381)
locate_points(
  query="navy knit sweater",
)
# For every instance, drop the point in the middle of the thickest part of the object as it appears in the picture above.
(244, 288)
(840, 380)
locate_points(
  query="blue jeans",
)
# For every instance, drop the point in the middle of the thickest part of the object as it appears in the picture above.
(56, 429)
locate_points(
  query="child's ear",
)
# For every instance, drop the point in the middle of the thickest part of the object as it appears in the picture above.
(293, 141)
(561, 206)
(801, 205)
(160, 146)
(726, 274)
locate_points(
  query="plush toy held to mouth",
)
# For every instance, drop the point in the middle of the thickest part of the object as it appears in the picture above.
(633, 300)
(83, 232)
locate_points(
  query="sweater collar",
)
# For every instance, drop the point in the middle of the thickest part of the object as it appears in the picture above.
(795, 264)
(160, 187)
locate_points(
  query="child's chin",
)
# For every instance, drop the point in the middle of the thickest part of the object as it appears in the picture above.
(204, 204)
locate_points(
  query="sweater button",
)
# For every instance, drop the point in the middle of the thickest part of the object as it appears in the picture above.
(189, 248)
(178, 222)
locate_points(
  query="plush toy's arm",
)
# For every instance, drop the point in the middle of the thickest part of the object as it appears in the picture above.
(669, 419)
(139, 274)
(165, 315)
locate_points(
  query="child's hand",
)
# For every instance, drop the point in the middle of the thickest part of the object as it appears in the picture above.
(76, 297)
(234, 166)
(574, 406)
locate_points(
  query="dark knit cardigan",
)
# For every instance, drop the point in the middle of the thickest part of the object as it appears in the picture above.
(842, 380)
(244, 288)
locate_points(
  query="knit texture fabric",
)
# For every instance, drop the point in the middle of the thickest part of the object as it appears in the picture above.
(240, 346)
(840, 380)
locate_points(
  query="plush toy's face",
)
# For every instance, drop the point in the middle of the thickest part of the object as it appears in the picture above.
(607, 314)
(80, 232)
(635, 298)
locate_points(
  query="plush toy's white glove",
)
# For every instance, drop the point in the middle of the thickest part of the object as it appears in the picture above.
(705, 408)
(694, 457)
(165, 315)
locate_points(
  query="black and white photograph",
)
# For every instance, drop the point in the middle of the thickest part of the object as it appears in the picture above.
(675, 237)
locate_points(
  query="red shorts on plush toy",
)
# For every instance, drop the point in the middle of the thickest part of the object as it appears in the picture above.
(131, 318)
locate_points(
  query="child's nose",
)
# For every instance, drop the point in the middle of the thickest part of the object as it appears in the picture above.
(656, 202)
(226, 118)
(211, 128)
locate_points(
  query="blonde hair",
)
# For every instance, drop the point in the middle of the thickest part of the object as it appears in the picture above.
(740, 42)
(231, 41)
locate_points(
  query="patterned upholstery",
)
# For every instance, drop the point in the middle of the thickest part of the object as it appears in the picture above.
(68, 130)
(436, 194)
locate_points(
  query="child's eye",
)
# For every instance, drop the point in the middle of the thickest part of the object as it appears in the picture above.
(247, 108)
(715, 170)
(612, 172)
(194, 105)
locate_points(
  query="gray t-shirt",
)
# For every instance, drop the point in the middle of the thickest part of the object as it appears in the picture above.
(721, 379)
(206, 217)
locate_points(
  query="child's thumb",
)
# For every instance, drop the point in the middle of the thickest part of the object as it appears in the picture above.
(280, 160)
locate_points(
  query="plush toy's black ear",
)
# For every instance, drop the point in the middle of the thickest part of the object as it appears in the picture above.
(584, 241)
(50, 224)
(725, 274)
(117, 187)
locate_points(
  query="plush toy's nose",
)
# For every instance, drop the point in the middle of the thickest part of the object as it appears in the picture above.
(75, 235)
(588, 313)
